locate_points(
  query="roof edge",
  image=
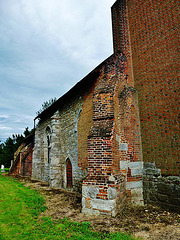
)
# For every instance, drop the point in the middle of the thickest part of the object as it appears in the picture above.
(94, 73)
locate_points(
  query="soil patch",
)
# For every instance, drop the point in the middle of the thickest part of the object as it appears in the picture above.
(147, 222)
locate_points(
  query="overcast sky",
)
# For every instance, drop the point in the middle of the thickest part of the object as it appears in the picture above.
(46, 47)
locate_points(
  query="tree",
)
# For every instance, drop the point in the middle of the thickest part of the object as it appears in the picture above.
(7, 152)
(8, 148)
(27, 132)
(45, 105)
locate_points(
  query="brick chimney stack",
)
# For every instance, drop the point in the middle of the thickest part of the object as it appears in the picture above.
(121, 34)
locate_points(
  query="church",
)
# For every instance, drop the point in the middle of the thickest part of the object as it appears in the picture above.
(113, 136)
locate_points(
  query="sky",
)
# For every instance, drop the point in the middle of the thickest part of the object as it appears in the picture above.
(46, 47)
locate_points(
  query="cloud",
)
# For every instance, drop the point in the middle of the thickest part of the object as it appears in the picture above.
(3, 118)
(5, 128)
(46, 48)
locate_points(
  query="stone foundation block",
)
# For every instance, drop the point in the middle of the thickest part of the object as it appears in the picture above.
(137, 196)
(92, 205)
(112, 193)
(90, 191)
(135, 167)
(134, 185)
(98, 206)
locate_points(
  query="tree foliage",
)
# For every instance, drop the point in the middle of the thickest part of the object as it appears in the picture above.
(8, 148)
(45, 105)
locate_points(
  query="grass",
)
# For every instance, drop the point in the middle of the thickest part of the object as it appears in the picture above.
(19, 211)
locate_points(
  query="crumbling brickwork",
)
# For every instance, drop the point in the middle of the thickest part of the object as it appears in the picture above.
(26, 160)
(104, 188)
(22, 163)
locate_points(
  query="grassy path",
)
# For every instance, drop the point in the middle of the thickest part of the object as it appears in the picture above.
(19, 210)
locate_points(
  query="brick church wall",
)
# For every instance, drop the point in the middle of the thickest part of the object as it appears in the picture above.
(127, 115)
(149, 29)
(22, 164)
(26, 162)
(16, 169)
(95, 129)
(154, 42)
(128, 137)
(104, 188)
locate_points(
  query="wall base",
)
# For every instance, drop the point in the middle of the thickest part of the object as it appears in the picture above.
(161, 191)
(104, 199)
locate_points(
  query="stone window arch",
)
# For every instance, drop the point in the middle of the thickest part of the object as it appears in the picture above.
(48, 134)
(76, 120)
(69, 175)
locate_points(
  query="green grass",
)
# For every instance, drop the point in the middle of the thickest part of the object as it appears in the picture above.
(19, 210)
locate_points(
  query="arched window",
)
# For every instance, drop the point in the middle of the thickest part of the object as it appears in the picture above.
(48, 143)
(69, 173)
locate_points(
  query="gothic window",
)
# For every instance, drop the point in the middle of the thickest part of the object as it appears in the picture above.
(48, 143)
(69, 173)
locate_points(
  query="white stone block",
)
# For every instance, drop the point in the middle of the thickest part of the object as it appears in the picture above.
(112, 193)
(136, 171)
(90, 191)
(112, 178)
(135, 184)
(107, 205)
(137, 196)
(136, 168)
(123, 147)
(124, 165)
(135, 165)
(83, 202)
(89, 211)
(117, 138)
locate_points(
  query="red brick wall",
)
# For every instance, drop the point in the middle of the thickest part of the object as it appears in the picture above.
(103, 149)
(113, 124)
(102, 160)
(23, 160)
(154, 43)
(121, 36)
(16, 168)
(26, 164)
(127, 123)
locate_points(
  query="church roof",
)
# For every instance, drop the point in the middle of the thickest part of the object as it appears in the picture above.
(79, 87)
